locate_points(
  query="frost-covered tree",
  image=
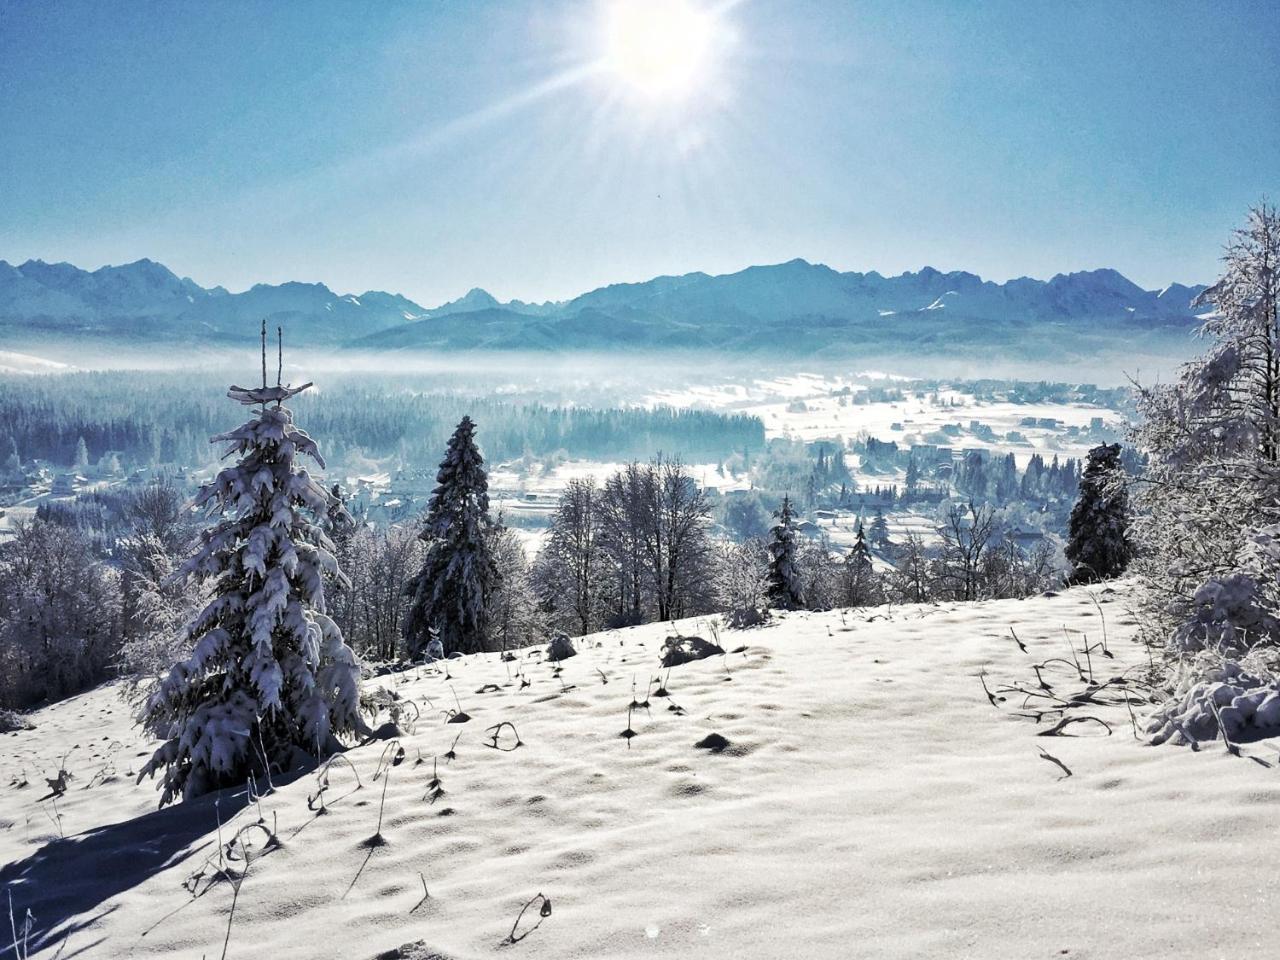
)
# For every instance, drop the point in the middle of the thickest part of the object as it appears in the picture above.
(858, 579)
(81, 461)
(59, 613)
(156, 603)
(785, 589)
(514, 618)
(1212, 437)
(571, 571)
(1098, 545)
(966, 531)
(12, 462)
(270, 683)
(913, 477)
(677, 548)
(742, 579)
(860, 553)
(879, 532)
(451, 593)
(1210, 501)
(911, 581)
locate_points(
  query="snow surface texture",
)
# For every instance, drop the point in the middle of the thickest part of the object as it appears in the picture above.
(869, 803)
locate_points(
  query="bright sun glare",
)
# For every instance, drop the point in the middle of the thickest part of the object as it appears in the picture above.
(658, 48)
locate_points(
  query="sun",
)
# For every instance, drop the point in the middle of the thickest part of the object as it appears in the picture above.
(658, 49)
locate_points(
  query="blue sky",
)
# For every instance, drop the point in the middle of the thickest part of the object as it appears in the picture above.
(427, 148)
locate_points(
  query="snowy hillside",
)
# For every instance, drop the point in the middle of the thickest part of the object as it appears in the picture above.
(837, 785)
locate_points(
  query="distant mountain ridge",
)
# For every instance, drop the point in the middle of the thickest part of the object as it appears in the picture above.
(146, 298)
(795, 307)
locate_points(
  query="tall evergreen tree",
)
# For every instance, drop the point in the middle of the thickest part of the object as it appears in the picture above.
(271, 684)
(860, 553)
(784, 573)
(879, 530)
(859, 575)
(1099, 546)
(451, 593)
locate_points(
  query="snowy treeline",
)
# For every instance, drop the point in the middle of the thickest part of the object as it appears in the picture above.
(74, 420)
(1207, 531)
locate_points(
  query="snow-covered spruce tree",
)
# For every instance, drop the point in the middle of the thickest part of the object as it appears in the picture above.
(858, 580)
(452, 591)
(1210, 501)
(270, 684)
(879, 532)
(784, 573)
(1098, 545)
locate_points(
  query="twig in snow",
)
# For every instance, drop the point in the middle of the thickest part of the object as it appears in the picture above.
(543, 913)
(1021, 646)
(1066, 771)
(995, 702)
(425, 894)
(1057, 728)
(495, 732)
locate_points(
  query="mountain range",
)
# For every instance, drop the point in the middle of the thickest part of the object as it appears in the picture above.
(793, 308)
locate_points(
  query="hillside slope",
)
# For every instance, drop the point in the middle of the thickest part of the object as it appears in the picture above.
(871, 802)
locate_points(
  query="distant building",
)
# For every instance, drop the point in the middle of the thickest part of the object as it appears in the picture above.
(66, 484)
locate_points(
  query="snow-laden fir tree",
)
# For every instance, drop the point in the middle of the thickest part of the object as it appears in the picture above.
(270, 685)
(879, 532)
(860, 554)
(451, 593)
(785, 588)
(858, 575)
(1098, 545)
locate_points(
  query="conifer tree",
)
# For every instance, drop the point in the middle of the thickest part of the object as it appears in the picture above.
(784, 574)
(879, 530)
(860, 554)
(451, 593)
(859, 574)
(270, 684)
(1099, 545)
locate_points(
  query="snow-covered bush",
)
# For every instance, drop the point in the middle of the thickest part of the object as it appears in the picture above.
(270, 684)
(1230, 614)
(11, 721)
(1218, 698)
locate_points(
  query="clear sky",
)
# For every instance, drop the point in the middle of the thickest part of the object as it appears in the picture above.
(430, 147)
